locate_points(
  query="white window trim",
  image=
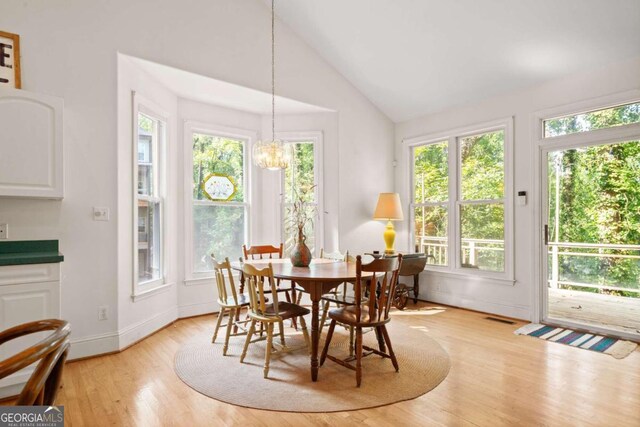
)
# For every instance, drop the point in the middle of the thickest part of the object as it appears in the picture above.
(453, 136)
(543, 145)
(249, 137)
(142, 105)
(316, 138)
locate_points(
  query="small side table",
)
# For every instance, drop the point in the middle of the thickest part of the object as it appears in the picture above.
(412, 265)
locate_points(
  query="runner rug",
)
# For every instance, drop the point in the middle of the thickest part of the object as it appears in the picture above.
(599, 343)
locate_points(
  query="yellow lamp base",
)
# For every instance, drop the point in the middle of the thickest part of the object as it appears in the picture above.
(389, 238)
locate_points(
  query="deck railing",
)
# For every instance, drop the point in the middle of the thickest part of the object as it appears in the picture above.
(589, 265)
(472, 249)
(571, 265)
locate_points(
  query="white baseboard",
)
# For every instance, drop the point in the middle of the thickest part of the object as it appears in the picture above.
(116, 341)
(93, 345)
(140, 330)
(463, 301)
(13, 384)
(198, 309)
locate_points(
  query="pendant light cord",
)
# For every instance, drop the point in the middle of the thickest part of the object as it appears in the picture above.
(273, 71)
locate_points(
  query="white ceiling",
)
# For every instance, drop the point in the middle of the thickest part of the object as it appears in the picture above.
(413, 57)
(216, 92)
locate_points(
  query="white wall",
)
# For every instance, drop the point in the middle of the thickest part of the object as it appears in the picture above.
(486, 295)
(69, 49)
(137, 319)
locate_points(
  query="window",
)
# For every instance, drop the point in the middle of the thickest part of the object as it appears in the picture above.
(219, 219)
(598, 119)
(481, 201)
(461, 200)
(431, 200)
(298, 179)
(148, 201)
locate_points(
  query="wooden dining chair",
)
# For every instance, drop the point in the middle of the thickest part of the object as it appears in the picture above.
(50, 355)
(339, 296)
(267, 252)
(374, 313)
(269, 314)
(229, 301)
(270, 252)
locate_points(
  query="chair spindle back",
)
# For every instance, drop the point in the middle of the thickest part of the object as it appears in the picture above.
(261, 251)
(225, 289)
(256, 278)
(384, 270)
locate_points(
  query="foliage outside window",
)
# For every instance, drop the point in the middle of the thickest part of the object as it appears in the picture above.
(594, 219)
(151, 133)
(459, 201)
(298, 180)
(430, 201)
(219, 227)
(600, 119)
(482, 201)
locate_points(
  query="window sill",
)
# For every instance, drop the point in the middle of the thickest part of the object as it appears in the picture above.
(208, 280)
(195, 281)
(476, 275)
(150, 291)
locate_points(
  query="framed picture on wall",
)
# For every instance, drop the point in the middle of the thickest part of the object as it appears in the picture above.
(9, 60)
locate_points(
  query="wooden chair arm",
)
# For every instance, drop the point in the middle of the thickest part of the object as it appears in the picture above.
(37, 351)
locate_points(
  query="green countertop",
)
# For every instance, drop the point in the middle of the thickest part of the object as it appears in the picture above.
(29, 252)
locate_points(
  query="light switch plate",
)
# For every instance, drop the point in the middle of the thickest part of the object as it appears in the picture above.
(100, 214)
(4, 231)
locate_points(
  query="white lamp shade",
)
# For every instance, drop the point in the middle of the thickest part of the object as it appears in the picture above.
(389, 207)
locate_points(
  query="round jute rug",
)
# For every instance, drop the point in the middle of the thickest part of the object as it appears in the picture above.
(423, 365)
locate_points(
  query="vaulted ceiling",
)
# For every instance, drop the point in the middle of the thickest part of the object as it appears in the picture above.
(413, 57)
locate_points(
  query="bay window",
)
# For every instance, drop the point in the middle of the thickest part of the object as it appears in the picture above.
(148, 164)
(218, 185)
(299, 179)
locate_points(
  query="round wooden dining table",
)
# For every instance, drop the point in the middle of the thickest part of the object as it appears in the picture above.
(319, 278)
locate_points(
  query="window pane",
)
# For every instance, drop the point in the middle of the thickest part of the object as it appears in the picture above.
(291, 230)
(601, 119)
(149, 258)
(147, 131)
(430, 224)
(482, 166)
(217, 155)
(219, 230)
(482, 232)
(431, 173)
(300, 175)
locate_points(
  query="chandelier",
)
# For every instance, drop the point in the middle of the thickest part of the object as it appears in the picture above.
(273, 154)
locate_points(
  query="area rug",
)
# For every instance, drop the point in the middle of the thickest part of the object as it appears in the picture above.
(423, 365)
(601, 344)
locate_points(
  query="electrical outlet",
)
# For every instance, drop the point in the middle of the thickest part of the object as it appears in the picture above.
(100, 214)
(103, 312)
(4, 231)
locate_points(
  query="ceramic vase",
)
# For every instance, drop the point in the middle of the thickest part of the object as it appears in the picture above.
(300, 254)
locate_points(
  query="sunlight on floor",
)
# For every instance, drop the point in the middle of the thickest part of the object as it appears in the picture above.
(425, 311)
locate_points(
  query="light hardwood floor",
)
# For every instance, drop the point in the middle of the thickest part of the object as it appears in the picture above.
(496, 379)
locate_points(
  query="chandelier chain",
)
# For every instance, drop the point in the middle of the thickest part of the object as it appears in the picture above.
(273, 71)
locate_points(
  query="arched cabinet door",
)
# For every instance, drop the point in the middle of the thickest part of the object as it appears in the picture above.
(31, 156)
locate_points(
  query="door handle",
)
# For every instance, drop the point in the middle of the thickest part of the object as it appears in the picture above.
(546, 234)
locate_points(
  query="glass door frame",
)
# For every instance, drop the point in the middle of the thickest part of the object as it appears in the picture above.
(541, 149)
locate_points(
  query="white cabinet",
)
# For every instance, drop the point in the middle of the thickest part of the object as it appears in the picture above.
(27, 293)
(31, 157)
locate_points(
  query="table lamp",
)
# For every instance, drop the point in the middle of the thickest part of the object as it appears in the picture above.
(389, 209)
